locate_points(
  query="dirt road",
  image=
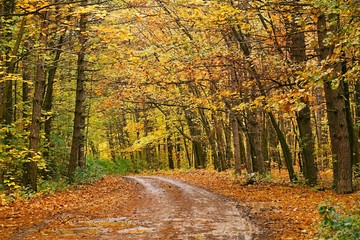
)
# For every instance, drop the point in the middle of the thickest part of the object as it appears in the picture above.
(159, 208)
(174, 210)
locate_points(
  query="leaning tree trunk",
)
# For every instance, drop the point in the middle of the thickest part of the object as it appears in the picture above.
(284, 146)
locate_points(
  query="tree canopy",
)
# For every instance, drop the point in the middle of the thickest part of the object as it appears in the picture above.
(249, 85)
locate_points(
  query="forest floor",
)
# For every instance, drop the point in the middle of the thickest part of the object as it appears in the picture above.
(141, 207)
(288, 211)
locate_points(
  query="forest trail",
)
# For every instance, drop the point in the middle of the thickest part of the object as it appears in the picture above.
(156, 208)
(176, 210)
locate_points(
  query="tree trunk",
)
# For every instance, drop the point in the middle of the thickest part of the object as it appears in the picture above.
(336, 113)
(273, 144)
(6, 103)
(285, 148)
(170, 147)
(229, 155)
(79, 113)
(307, 145)
(220, 144)
(258, 161)
(297, 47)
(188, 157)
(236, 143)
(34, 137)
(265, 141)
(356, 164)
(109, 136)
(352, 136)
(82, 142)
(177, 153)
(211, 135)
(48, 101)
(198, 147)
(148, 148)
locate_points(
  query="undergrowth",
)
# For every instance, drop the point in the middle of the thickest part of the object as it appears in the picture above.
(95, 170)
(338, 225)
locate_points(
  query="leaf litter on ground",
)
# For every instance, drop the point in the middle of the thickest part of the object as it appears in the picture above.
(287, 211)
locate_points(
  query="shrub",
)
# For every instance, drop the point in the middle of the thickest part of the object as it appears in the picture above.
(95, 169)
(338, 226)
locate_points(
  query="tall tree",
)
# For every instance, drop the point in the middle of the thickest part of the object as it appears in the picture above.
(79, 113)
(297, 49)
(34, 137)
(335, 106)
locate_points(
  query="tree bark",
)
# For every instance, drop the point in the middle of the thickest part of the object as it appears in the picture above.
(236, 143)
(34, 137)
(170, 148)
(307, 145)
(220, 144)
(336, 112)
(6, 88)
(356, 164)
(258, 161)
(78, 127)
(284, 146)
(109, 136)
(198, 147)
(353, 138)
(48, 99)
(297, 50)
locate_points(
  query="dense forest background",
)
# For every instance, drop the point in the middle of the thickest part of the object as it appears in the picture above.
(248, 85)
